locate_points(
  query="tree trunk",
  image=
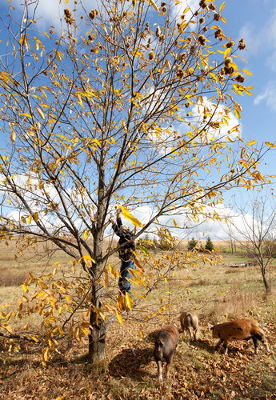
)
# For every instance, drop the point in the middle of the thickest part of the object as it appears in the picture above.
(266, 284)
(97, 338)
(97, 333)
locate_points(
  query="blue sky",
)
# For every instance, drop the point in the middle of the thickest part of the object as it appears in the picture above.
(255, 21)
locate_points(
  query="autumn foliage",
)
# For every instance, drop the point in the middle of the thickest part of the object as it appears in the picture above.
(131, 105)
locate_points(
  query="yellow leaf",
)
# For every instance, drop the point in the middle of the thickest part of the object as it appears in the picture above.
(152, 3)
(247, 72)
(13, 136)
(113, 271)
(247, 92)
(175, 224)
(40, 112)
(141, 333)
(85, 234)
(137, 263)
(85, 331)
(120, 319)
(29, 219)
(7, 327)
(20, 304)
(127, 215)
(25, 288)
(129, 301)
(227, 52)
(144, 250)
(63, 137)
(45, 354)
(26, 115)
(250, 143)
(105, 278)
(222, 7)
(269, 144)
(22, 39)
(238, 115)
(87, 257)
(36, 216)
(35, 339)
(61, 397)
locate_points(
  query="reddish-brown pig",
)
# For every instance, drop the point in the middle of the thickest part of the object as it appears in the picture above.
(165, 345)
(240, 329)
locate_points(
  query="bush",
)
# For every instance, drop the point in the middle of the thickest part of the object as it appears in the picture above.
(209, 245)
(192, 244)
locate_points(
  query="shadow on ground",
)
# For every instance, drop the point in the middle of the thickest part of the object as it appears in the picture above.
(131, 362)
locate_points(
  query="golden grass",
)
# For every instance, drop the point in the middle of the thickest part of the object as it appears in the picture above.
(217, 293)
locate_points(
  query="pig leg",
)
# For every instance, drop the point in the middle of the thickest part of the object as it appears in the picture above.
(256, 344)
(195, 331)
(225, 347)
(260, 337)
(265, 343)
(190, 332)
(159, 366)
(168, 365)
(218, 344)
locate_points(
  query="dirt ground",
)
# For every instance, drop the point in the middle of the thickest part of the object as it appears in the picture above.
(130, 372)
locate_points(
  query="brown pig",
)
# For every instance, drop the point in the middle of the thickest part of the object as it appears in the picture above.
(239, 329)
(189, 322)
(165, 345)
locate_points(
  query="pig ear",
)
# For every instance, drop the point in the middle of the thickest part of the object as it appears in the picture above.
(210, 326)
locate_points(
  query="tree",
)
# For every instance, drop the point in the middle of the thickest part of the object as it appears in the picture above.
(113, 108)
(209, 245)
(192, 244)
(255, 232)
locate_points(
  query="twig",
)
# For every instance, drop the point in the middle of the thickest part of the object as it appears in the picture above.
(15, 336)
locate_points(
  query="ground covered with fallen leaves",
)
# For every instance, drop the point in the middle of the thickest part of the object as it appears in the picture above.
(129, 372)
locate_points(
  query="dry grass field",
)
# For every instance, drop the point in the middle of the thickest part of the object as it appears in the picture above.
(217, 293)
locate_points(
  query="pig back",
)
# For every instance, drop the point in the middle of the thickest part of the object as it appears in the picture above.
(189, 319)
(166, 342)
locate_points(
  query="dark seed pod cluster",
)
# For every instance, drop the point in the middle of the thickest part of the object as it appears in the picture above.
(241, 45)
(93, 14)
(68, 16)
(240, 78)
(203, 4)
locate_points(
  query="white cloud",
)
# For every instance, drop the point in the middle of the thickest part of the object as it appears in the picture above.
(182, 5)
(201, 229)
(164, 138)
(220, 114)
(232, 224)
(261, 39)
(268, 95)
(252, 39)
(50, 12)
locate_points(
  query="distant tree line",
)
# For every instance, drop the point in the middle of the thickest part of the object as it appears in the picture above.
(161, 243)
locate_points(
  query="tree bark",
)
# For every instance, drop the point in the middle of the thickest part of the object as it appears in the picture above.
(97, 334)
(266, 284)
